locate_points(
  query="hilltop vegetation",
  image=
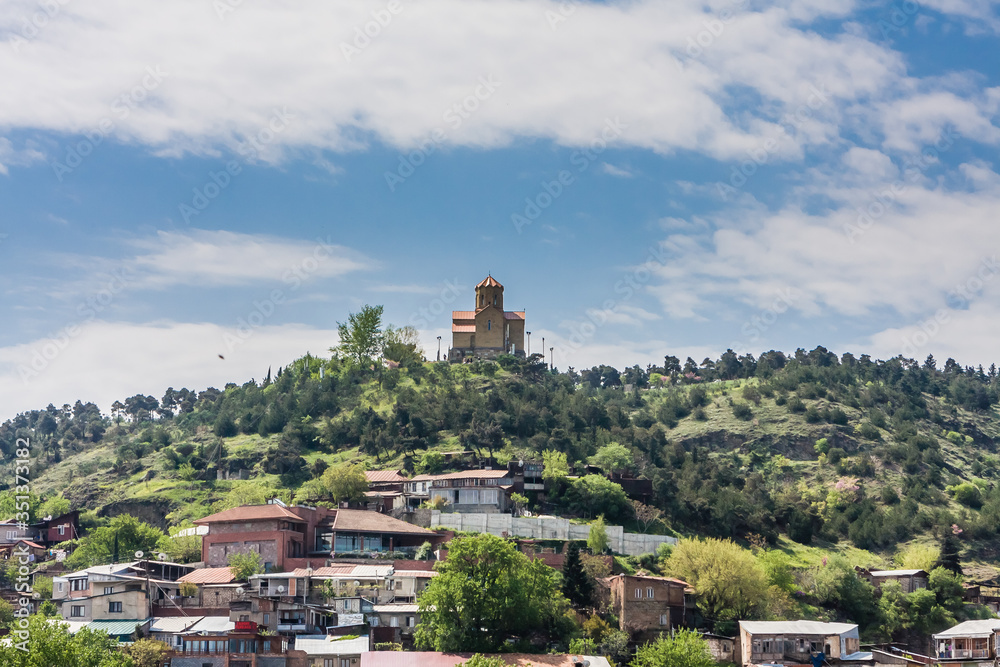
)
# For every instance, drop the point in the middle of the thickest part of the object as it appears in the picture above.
(808, 447)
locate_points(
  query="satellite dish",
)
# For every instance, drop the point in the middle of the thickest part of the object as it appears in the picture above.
(281, 589)
(161, 556)
(139, 554)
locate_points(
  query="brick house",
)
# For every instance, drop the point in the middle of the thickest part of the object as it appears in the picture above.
(646, 605)
(291, 537)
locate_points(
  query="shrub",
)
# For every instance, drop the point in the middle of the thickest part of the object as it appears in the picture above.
(742, 411)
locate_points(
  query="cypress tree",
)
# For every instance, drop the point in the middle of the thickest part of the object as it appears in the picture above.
(576, 584)
(950, 558)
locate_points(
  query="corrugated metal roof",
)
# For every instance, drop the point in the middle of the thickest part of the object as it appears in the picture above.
(418, 574)
(896, 573)
(173, 624)
(212, 625)
(464, 474)
(209, 575)
(383, 476)
(980, 628)
(429, 659)
(797, 627)
(73, 626)
(396, 608)
(116, 628)
(321, 645)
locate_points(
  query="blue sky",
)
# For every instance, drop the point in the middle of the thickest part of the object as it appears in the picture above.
(188, 179)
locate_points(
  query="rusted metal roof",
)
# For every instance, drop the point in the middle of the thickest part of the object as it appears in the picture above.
(383, 476)
(209, 575)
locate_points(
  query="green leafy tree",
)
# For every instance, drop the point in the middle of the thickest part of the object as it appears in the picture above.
(520, 502)
(182, 548)
(116, 542)
(55, 506)
(480, 660)
(597, 538)
(345, 482)
(361, 337)
(43, 586)
(919, 557)
(487, 592)
(555, 465)
(730, 583)
(594, 494)
(613, 457)
(402, 345)
(577, 586)
(6, 614)
(685, 648)
(245, 565)
(48, 644)
(147, 652)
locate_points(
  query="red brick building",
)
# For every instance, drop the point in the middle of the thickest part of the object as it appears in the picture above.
(646, 605)
(291, 537)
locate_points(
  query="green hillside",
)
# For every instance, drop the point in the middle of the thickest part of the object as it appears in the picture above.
(809, 451)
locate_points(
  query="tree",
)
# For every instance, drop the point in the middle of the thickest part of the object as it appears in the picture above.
(6, 614)
(182, 548)
(402, 345)
(245, 565)
(576, 584)
(594, 494)
(646, 515)
(730, 583)
(597, 538)
(520, 502)
(55, 507)
(918, 557)
(950, 554)
(361, 337)
(487, 591)
(147, 652)
(685, 648)
(480, 660)
(116, 542)
(555, 465)
(345, 482)
(51, 645)
(613, 457)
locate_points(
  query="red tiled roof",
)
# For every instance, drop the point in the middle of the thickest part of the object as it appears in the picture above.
(463, 314)
(31, 544)
(362, 521)
(430, 659)
(209, 575)
(251, 513)
(463, 328)
(324, 571)
(383, 476)
(513, 315)
(489, 282)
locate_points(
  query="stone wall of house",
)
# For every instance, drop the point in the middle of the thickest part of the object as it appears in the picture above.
(547, 528)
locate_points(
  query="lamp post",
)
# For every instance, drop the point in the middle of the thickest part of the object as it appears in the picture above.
(552, 364)
(439, 348)
(528, 352)
(543, 349)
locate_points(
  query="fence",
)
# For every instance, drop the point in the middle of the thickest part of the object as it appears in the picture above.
(547, 528)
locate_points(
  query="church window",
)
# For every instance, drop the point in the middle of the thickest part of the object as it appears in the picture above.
(489, 325)
(494, 299)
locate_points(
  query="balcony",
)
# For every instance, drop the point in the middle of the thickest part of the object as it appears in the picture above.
(966, 654)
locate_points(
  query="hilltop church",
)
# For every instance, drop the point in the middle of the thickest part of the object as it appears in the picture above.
(489, 330)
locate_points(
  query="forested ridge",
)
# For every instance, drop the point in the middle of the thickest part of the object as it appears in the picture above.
(805, 447)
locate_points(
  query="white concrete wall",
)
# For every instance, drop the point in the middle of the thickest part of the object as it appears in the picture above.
(549, 528)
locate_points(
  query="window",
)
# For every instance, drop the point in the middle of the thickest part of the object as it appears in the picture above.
(60, 585)
(108, 590)
(11, 534)
(77, 611)
(328, 662)
(411, 621)
(663, 619)
(114, 607)
(638, 594)
(489, 325)
(345, 662)
(244, 617)
(394, 622)
(267, 619)
(62, 529)
(649, 592)
(79, 585)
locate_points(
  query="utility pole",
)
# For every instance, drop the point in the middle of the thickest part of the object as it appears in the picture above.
(439, 348)
(528, 351)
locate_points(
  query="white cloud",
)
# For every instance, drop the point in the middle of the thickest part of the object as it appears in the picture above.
(224, 78)
(968, 336)
(109, 361)
(612, 170)
(221, 258)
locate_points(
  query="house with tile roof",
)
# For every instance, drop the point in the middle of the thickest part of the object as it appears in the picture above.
(477, 491)
(489, 330)
(290, 537)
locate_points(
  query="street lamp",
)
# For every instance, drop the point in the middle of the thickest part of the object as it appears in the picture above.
(552, 364)
(439, 348)
(543, 349)
(528, 351)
